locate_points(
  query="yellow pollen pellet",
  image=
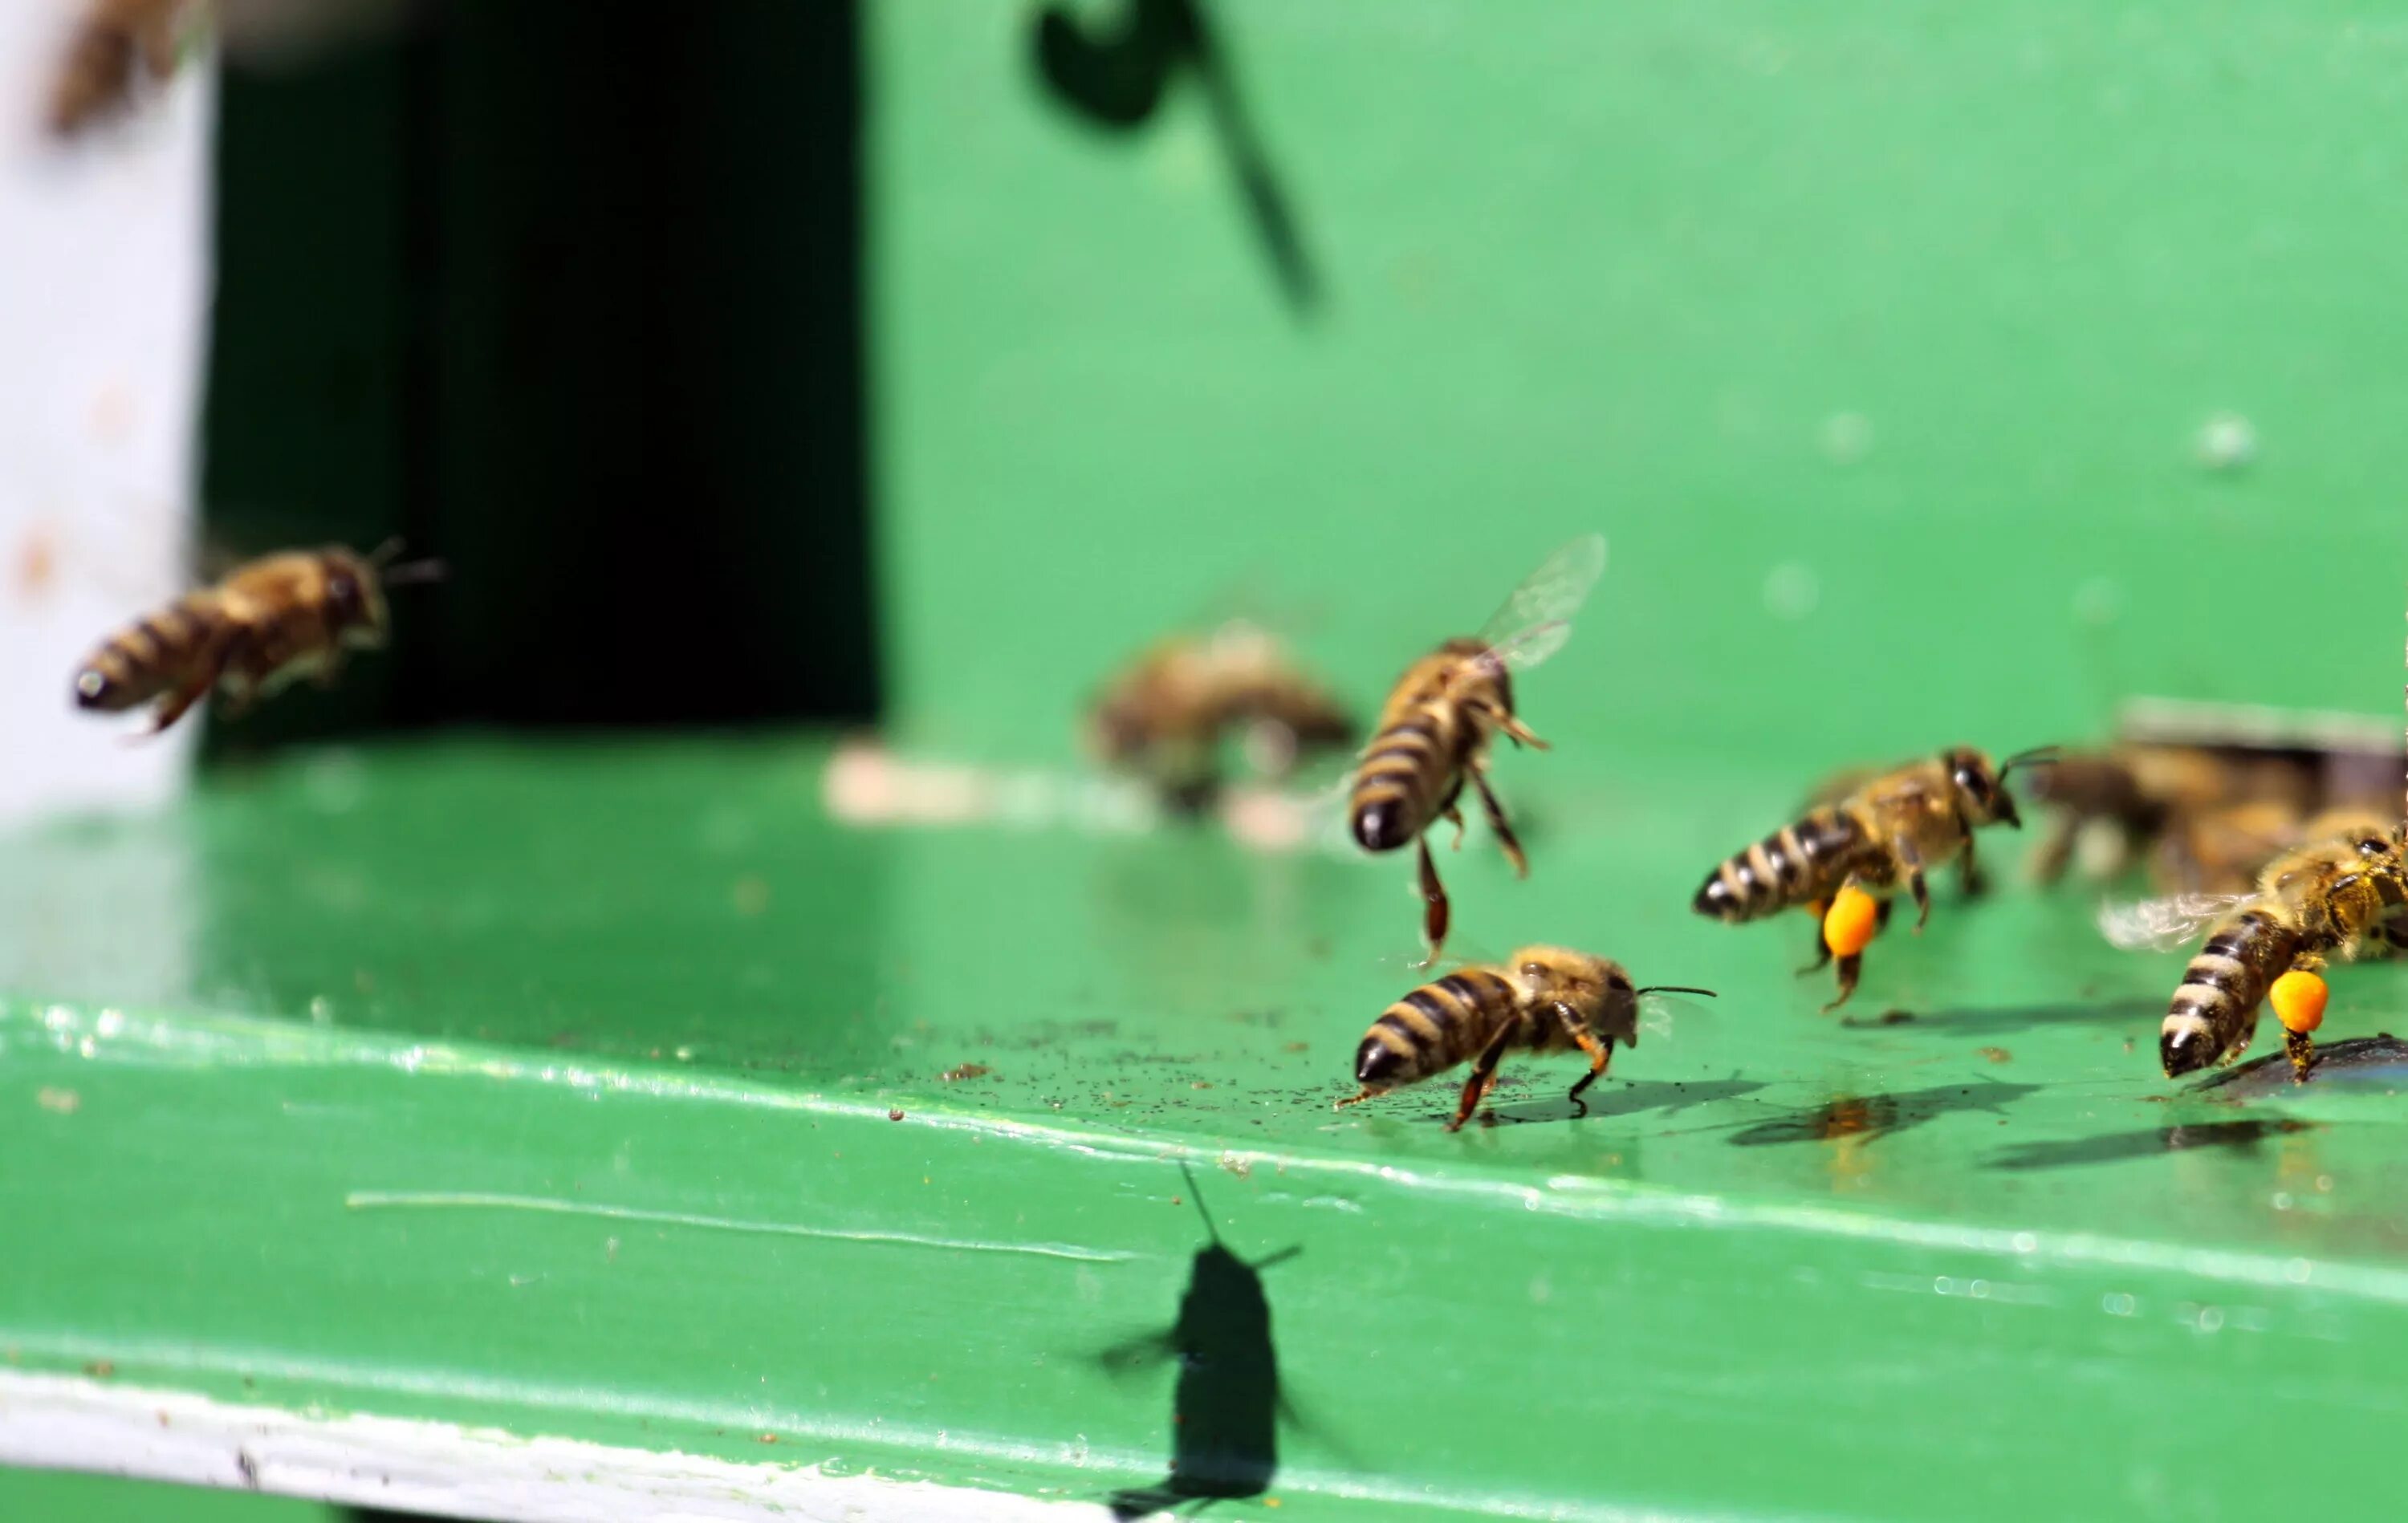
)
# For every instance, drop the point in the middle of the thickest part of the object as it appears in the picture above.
(2299, 1001)
(1849, 925)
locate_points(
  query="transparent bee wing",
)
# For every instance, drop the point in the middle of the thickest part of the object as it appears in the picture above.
(1462, 952)
(1674, 1018)
(2163, 925)
(1536, 621)
(1839, 785)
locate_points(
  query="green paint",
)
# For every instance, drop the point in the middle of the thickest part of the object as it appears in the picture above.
(40, 1496)
(473, 1193)
(548, 1088)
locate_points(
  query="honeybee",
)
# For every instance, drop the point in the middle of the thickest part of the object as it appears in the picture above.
(2332, 898)
(1439, 720)
(1545, 999)
(108, 42)
(1889, 832)
(286, 615)
(1165, 714)
(2195, 810)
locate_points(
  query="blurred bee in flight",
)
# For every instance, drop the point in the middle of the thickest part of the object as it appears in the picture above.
(1436, 729)
(2335, 897)
(279, 617)
(1846, 858)
(1165, 716)
(1542, 999)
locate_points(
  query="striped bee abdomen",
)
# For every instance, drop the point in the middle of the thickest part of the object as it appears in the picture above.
(149, 656)
(1435, 1027)
(2217, 1003)
(1397, 787)
(1795, 865)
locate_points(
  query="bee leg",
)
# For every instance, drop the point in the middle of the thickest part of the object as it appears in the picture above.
(1599, 1050)
(1822, 948)
(1434, 904)
(206, 671)
(2301, 1049)
(2300, 1046)
(1970, 874)
(1454, 816)
(1505, 836)
(1850, 966)
(1484, 1077)
(1518, 732)
(2055, 852)
(1921, 891)
(1355, 1099)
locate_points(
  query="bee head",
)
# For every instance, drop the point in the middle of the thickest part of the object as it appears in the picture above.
(1981, 795)
(1597, 987)
(355, 599)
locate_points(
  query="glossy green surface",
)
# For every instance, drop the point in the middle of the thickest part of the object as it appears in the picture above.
(1783, 1266)
(40, 1496)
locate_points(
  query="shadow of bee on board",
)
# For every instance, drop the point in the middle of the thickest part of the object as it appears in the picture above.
(1227, 1406)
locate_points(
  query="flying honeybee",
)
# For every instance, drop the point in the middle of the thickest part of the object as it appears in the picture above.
(286, 615)
(1544, 999)
(2332, 898)
(1164, 715)
(107, 44)
(1436, 729)
(1844, 860)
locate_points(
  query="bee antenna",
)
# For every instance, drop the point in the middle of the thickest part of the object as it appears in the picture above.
(1211, 1230)
(2037, 756)
(413, 573)
(1677, 989)
(385, 552)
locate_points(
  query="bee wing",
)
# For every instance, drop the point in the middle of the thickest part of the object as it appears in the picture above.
(1838, 786)
(1674, 1018)
(1459, 957)
(2163, 925)
(1537, 620)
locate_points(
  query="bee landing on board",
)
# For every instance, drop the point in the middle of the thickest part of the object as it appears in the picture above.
(1544, 999)
(282, 617)
(1443, 713)
(2333, 898)
(1844, 860)
(1164, 716)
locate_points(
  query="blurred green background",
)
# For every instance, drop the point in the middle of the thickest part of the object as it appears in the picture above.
(1878, 338)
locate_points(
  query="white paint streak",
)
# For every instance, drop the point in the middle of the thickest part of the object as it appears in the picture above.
(373, 1200)
(60, 1422)
(114, 1427)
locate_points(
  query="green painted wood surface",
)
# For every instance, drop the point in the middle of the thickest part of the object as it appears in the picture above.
(40, 1496)
(549, 1088)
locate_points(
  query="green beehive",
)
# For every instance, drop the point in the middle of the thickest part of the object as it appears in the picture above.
(1937, 376)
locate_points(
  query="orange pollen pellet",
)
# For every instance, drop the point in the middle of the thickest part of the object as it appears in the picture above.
(2299, 1001)
(1849, 925)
